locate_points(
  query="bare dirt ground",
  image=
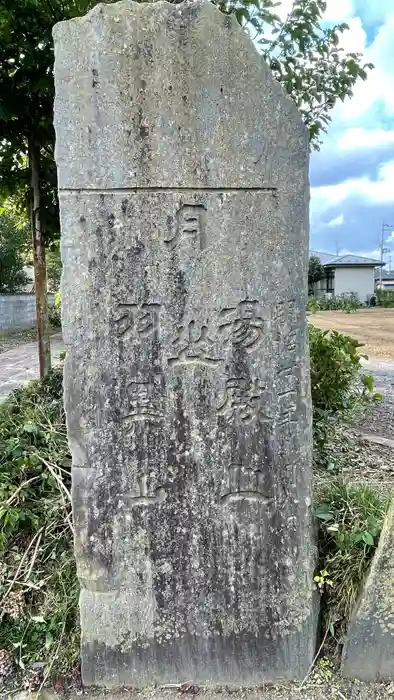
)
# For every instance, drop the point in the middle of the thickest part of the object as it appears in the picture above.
(316, 687)
(366, 459)
(372, 327)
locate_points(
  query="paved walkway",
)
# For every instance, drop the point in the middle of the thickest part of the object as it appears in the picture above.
(20, 365)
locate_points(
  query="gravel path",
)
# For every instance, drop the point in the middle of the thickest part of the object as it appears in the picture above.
(371, 447)
(380, 421)
(13, 339)
(20, 364)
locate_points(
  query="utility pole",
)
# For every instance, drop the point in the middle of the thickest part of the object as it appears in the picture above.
(40, 280)
(383, 250)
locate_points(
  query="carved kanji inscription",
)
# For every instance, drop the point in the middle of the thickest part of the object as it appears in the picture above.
(241, 325)
(138, 320)
(242, 399)
(189, 225)
(144, 498)
(143, 400)
(244, 483)
(193, 345)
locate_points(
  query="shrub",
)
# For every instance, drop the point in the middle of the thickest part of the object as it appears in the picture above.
(14, 243)
(347, 303)
(38, 584)
(55, 316)
(350, 522)
(385, 298)
(337, 383)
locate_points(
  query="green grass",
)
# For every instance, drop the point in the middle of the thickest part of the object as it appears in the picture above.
(38, 583)
(350, 522)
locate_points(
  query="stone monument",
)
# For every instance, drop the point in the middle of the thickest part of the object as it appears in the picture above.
(368, 653)
(183, 182)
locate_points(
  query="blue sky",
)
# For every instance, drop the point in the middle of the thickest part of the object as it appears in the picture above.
(352, 177)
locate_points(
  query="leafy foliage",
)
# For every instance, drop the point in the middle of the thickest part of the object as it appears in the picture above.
(54, 267)
(13, 245)
(337, 383)
(55, 312)
(38, 585)
(385, 298)
(343, 302)
(350, 522)
(316, 271)
(305, 57)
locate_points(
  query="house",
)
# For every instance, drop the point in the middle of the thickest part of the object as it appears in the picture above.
(387, 279)
(346, 275)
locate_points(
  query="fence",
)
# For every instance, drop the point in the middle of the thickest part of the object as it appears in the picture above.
(18, 311)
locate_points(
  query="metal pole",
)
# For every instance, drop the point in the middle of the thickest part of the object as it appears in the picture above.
(385, 227)
(381, 256)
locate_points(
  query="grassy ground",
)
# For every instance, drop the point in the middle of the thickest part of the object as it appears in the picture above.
(372, 327)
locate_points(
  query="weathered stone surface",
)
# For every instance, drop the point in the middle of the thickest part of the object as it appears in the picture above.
(187, 383)
(169, 96)
(368, 653)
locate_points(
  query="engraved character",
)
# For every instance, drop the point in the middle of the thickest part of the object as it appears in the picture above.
(193, 346)
(285, 338)
(140, 321)
(287, 408)
(242, 325)
(242, 399)
(283, 319)
(190, 223)
(244, 483)
(143, 401)
(143, 498)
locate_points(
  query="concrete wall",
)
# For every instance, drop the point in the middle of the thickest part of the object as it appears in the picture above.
(357, 280)
(18, 311)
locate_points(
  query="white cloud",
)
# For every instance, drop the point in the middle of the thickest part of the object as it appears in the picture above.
(371, 191)
(338, 221)
(338, 10)
(354, 39)
(380, 84)
(358, 138)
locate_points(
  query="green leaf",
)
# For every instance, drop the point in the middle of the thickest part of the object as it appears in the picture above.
(323, 512)
(38, 618)
(48, 640)
(368, 539)
(368, 382)
(30, 427)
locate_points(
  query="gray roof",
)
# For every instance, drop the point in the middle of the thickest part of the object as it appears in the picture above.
(329, 260)
(386, 275)
(324, 257)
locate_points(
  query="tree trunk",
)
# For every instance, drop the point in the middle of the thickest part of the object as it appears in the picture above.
(40, 277)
